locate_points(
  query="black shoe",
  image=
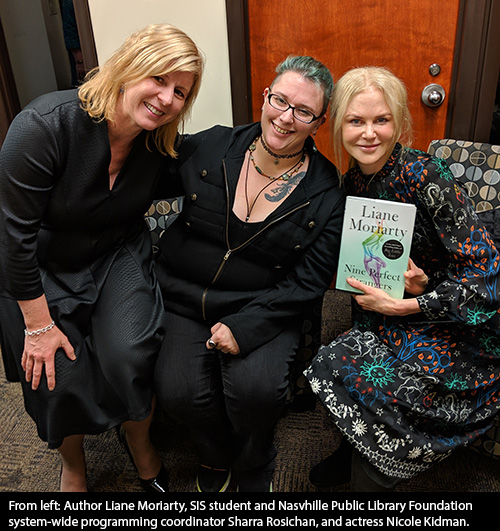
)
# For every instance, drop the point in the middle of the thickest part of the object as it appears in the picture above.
(212, 479)
(256, 481)
(156, 484)
(335, 470)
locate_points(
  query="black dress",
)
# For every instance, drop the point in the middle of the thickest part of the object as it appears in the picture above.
(65, 234)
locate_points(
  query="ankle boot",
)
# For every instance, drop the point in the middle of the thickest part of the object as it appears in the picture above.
(335, 470)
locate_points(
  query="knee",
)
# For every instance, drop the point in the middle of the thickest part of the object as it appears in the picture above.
(170, 394)
(180, 395)
(261, 384)
(262, 394)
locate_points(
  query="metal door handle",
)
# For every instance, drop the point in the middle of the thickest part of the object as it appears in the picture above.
(433, 95)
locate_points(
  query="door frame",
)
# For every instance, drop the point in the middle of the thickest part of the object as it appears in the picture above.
(239, 60)
(86, 34)
(476, 71)
(476, 68)
(471, 100)
(9, 99)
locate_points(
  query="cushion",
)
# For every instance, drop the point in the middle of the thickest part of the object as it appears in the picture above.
(488, 444)
(476, 165)
(491, 221)
(159, 216)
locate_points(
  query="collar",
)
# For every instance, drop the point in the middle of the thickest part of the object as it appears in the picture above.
(360, 183)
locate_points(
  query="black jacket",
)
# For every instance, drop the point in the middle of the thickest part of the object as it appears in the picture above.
(266, 283)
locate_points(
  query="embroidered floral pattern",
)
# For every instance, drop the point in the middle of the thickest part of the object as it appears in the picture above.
(408, 391)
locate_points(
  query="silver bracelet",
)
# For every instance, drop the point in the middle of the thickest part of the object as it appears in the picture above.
(40, 331)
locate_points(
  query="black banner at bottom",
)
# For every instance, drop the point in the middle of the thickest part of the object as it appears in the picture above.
(240, 510)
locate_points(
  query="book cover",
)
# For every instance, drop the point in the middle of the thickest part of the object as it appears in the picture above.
(375, 245)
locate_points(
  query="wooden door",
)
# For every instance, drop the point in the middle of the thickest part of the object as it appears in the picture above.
(406, 37)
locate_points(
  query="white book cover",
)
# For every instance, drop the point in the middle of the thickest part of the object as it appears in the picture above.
(375, 245)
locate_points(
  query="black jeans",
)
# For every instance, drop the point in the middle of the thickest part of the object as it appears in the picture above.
(230, 404)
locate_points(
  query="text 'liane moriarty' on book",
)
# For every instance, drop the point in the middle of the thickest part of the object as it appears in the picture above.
(372, 220)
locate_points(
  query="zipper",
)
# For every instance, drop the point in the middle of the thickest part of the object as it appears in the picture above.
(230, 251)
(204, 296)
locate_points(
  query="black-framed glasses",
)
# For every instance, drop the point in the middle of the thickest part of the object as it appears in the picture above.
(282, 105)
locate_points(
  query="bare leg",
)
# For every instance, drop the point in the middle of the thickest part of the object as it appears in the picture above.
(73, 472)
(146, 459)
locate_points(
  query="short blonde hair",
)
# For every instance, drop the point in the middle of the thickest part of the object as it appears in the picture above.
(359, 79)
(155, 50)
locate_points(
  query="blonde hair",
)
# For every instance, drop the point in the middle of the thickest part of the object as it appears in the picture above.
(156, 50)
(358, 80)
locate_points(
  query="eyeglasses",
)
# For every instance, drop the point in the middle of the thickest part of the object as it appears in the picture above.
(282, 105)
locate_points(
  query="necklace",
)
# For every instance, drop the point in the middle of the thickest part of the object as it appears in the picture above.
(250, 207)
(284, 176)
(275, 155)
(288, 173)
(371, 178)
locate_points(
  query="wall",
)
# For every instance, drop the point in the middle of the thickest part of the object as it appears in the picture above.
(60, 59)
(203, 20)
(29, 47)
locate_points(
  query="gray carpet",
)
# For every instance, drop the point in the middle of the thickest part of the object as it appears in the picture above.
(302, 439)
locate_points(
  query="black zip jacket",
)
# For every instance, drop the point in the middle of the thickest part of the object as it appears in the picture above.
(267, 282)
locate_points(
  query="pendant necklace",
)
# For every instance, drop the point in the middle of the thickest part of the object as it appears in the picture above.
(275, 155)
(284, 177)
(287, 174)
(250, 207)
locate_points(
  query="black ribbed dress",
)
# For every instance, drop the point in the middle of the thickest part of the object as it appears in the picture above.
(65, 234)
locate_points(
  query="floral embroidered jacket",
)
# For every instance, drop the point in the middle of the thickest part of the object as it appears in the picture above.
(406, 391)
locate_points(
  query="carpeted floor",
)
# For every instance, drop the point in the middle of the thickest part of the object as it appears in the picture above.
(302, 439)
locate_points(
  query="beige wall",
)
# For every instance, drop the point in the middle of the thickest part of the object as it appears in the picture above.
(39, 60)
(203, 20)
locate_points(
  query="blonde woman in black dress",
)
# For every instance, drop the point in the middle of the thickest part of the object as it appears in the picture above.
(80, 311)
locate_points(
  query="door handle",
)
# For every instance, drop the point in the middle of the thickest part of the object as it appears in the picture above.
(433, 95)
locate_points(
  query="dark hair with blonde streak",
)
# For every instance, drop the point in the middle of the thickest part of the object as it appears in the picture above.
(358, 80)
(156, 50)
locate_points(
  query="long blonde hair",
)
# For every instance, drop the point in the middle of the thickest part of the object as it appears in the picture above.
(359, 79)
(155, 50)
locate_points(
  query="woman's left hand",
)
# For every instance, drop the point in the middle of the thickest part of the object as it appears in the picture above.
(377, 300)
(415, 279)
(222, 339)
(373, 299)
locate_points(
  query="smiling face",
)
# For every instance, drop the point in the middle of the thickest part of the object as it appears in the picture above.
(282, 132)
(368, 130)
(153, 101)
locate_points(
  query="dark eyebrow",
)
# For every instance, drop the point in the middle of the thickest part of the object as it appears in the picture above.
(300, 105)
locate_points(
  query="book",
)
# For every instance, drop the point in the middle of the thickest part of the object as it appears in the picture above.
(375, 244)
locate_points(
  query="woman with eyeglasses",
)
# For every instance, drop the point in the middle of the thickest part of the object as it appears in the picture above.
(80, 309)
(255, 246)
